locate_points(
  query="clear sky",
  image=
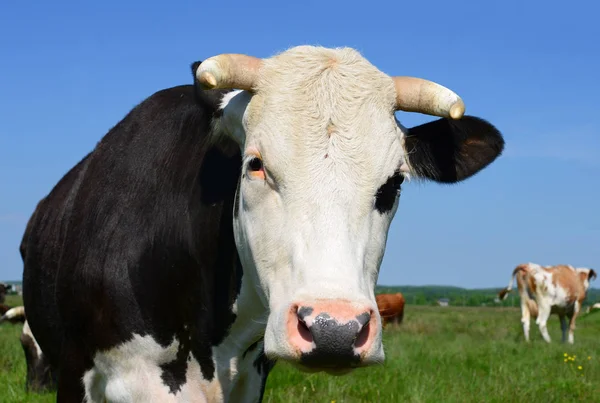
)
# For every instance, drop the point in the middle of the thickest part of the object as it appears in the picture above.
(71, 70)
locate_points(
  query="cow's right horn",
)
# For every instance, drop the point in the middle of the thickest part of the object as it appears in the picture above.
(229, 71)
(423, 96)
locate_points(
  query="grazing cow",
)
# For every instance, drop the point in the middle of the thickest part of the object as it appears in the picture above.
(391, 308)
(257, 202)
(12, 315)
(39, 373)
(545, 290)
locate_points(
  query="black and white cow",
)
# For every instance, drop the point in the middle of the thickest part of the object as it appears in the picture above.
(225, 225)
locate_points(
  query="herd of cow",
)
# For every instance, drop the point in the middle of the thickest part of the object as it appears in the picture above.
(258, 200)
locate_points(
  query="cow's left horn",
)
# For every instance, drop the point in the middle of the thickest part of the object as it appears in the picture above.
(423, 96)
(229, 71)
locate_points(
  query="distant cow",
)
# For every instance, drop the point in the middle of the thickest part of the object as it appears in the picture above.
(40, 376)
(4, 288)
(391, 307)
(258, 202)
(12, 314)
(545, 290)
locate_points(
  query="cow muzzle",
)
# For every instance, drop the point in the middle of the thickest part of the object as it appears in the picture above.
(333, 334)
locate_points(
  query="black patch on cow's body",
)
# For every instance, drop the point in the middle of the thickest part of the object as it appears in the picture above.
(174, 372)
(251, 348)
(138, 238)
(387, 193)
(263, 366)
(449, 151)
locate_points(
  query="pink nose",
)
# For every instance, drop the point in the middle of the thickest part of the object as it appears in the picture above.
(331, 333)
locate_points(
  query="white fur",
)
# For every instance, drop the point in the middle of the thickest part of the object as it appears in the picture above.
(27, 331)
(310, 230)
(13, 313)
(131, 373)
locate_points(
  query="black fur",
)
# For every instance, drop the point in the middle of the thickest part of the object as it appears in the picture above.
(387, 193)
(449, 151)
(263, 366)
(138, 238)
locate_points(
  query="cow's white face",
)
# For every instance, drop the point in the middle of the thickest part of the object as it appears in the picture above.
(323, 161)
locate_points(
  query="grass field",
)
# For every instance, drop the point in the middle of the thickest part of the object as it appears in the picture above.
(437, 355)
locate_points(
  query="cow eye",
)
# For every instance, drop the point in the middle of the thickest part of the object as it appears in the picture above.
(255, 164)
(387, 193)
(255, 168)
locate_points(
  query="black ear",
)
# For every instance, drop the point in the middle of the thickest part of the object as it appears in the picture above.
(449, 151)
(591, 275)
(195, 66)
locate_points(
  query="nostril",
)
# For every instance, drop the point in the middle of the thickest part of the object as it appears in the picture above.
(303, 331)
(363, 336)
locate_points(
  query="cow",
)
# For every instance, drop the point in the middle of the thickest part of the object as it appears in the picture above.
(4, 289)
(546, 290)
(594, 307)
(12, 314)
(391, 308)
(40, 377)
(257, 201)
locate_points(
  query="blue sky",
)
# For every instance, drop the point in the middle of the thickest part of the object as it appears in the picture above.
(71, 70)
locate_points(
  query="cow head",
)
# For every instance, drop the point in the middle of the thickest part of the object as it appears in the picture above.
(324, 159)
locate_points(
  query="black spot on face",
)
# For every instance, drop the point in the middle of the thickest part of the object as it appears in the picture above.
(386, 194)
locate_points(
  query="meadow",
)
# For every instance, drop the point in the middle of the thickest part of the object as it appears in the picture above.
(439, 354)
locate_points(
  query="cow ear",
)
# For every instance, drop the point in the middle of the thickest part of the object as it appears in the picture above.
(229, 106)
(591, 275)
(449, 151)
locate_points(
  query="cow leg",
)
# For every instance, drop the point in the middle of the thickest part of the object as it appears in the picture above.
(563, 327)
(542, 321)
(525, 320)
(572, 319)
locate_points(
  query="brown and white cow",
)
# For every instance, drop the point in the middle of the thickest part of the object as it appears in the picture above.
(545, 290)
(391, 308)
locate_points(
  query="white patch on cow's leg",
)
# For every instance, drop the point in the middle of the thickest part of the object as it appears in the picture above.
(542, 320)
(576, 309)
(526, 325)
(131, 372)
(525, 318)
(563, 327)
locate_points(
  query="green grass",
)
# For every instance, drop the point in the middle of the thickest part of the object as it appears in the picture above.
(437, 355)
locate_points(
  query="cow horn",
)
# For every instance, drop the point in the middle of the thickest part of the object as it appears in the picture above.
(229, 71)
(423, 96)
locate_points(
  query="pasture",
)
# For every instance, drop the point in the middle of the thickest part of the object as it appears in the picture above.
(454, 354)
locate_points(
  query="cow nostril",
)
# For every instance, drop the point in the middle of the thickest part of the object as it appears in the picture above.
(303, 331)
(362, 336)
